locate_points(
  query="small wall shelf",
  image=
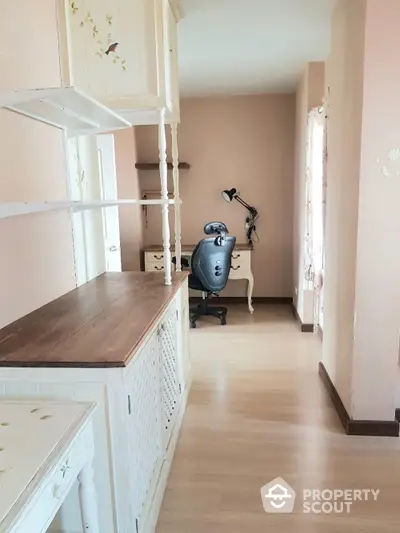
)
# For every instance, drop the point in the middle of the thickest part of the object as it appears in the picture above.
(156, 166)
(66, 108)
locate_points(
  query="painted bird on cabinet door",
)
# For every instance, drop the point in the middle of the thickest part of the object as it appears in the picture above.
(112, 48)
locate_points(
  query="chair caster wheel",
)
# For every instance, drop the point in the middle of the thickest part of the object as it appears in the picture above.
(223, 321)
(193, 325)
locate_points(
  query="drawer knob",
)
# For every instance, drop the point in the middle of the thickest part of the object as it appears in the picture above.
(64, 468)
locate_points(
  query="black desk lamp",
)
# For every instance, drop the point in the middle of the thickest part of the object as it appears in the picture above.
(233, 194)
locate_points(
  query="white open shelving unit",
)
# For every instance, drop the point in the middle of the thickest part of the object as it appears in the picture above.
(66, 108)
(11, 209)
(76, 113)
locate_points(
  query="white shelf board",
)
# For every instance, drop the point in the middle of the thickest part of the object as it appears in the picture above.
(8, 210)
(66, 108)
(145, 116)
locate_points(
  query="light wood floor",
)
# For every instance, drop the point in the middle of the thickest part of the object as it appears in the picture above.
(257, 410)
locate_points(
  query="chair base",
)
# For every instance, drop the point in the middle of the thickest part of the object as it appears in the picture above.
(204, 310)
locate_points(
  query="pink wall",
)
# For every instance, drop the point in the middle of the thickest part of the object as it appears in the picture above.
(130, 217)
(245, 142)
(362, 295)
(376, 345)
(345, 78)
(310, 93)
(316, 84)
(37, 261)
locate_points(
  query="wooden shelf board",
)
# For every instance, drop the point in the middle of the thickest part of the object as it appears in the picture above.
(156, 166)
(66, 108)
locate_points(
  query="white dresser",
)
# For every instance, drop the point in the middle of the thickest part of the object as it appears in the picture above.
(240, 269)
(44, 448)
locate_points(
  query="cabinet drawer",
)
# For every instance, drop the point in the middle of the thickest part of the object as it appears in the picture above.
(46, 501)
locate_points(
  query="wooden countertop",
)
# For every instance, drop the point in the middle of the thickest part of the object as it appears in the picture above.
(99, 325)
(240, 247)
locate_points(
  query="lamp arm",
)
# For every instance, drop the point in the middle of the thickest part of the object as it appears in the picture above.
(252, 210)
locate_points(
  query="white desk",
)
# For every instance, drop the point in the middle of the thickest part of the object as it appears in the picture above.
(240, 269)
(44, 448)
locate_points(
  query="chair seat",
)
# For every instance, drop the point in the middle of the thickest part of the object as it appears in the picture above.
(195, 284)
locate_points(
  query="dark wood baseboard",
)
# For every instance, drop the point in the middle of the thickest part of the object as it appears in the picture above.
(397, 415)
(305, 328)
(372, 428)
(229, 300)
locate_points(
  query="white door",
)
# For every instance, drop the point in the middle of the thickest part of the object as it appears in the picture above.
(87, 226)
(108, 184)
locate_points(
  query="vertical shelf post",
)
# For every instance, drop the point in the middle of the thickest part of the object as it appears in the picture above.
(175, 175)
(162, 145)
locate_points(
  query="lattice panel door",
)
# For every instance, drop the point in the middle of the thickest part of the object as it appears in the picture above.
(144, 422)
(170, 387)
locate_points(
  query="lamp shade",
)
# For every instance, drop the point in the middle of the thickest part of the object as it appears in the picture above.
(228, 196)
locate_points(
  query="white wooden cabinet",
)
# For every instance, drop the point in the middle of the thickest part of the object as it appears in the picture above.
(136, 424)
(138, 75)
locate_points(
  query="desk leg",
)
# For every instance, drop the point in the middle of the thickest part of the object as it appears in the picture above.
(250, 288)
(87, 498)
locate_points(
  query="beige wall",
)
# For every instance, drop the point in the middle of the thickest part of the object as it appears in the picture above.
(130, 217)
(37, 260)
(309, 94)
(244, 142)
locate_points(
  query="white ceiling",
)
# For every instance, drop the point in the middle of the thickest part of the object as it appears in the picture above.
(250, 46)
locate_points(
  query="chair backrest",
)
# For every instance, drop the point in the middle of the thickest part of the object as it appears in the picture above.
(211, 261)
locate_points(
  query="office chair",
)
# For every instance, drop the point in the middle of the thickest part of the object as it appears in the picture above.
(211, 264)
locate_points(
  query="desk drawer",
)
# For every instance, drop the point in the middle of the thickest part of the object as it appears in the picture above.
(155, 267)
(154, 257)
(240, 261)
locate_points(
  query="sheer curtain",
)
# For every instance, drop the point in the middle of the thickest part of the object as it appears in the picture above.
(315, 210)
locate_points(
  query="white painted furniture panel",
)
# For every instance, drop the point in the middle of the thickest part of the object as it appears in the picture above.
(128, 70)
(145, 454)
(122, 51)
(38, 472)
